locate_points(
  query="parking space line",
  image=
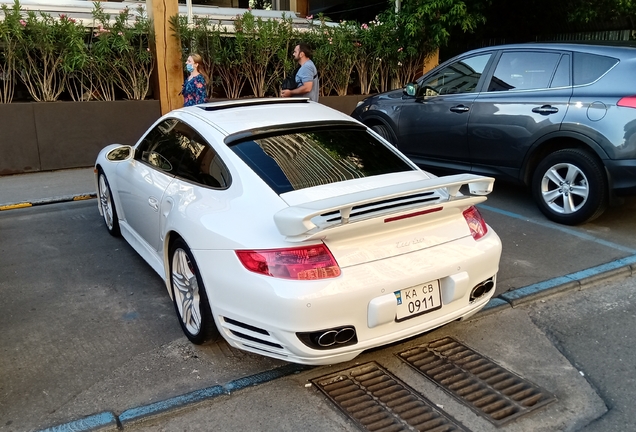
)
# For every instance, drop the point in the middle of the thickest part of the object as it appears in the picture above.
(561, 228)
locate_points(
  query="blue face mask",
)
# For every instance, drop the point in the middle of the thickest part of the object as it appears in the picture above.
(189, 67)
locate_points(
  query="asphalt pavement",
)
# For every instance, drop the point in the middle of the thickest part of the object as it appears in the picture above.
(560, 321)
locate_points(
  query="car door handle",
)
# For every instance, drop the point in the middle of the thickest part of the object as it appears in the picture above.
(459, 109)
(154, 203)
(545, 109)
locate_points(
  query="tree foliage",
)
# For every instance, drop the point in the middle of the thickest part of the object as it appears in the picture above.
(585, 11)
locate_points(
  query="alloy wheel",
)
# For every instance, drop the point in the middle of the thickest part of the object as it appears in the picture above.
(565, 188)
(186, 291)
(105, 202)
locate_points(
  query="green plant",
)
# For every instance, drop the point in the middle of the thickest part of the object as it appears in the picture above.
(366, 60)
(422, 26)
(124, 49)
(228, 63)
(47, 48)
(262, 49)
(334, 55)
(8, 43)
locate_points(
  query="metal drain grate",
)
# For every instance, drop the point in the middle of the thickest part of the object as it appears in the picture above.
(491, 391)
(378, 401)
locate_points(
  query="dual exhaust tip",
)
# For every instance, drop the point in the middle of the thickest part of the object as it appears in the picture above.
(336, 336)
(330, 338)
(481, 289)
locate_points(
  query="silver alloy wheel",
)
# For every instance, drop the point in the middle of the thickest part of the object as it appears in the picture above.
(565, 188)
(186, 291)
(106, 202)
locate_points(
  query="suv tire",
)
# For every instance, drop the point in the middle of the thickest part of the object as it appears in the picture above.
(385, 133)
(570, 187)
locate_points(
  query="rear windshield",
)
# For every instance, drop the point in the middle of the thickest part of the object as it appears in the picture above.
(299, 160)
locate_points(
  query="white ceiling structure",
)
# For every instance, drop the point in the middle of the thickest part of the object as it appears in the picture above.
(81, 11)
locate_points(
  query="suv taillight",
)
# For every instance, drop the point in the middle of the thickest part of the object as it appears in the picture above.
(301, 263)
(627, 101)
(476, 223)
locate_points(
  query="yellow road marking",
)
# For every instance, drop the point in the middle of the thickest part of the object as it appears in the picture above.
(15, 206)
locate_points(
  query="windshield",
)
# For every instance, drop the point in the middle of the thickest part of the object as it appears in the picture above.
(298, 160)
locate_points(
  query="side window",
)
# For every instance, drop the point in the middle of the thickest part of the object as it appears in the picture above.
(589, 67)
(160, 148)
(523, 70)
(562, 74)
(200, 163)
(459, 77)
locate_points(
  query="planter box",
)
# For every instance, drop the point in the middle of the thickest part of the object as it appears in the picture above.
(46, 136)
(43, 136)
(344, 104)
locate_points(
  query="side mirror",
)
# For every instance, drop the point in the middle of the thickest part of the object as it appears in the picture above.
(411, 89)
(120, 153)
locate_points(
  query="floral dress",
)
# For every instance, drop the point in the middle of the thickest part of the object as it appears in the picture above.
(193, 91)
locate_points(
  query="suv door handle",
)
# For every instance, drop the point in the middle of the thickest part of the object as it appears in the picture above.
(545, 109)
(459, 109)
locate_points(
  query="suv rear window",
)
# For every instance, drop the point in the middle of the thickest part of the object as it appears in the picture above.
(590, 67)
(524, 70)
(298, 160)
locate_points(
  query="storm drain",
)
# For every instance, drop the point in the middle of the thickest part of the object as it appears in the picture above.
(378, 401)
(491, 391)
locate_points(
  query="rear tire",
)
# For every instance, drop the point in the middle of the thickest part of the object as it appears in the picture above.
(189, 296)
(570, 187)
(385, 133)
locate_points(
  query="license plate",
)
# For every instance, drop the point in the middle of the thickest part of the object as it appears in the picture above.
(418, 300)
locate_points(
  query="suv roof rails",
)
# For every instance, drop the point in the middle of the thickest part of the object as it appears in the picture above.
(250, 102)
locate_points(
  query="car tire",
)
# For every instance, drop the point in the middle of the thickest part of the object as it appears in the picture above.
(384, 132)
(107, 205)
(570, 187)
(189, 295)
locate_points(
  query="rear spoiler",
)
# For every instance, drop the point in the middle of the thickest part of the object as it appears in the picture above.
(296, 222)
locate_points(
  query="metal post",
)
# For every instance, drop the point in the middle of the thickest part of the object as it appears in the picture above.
(189, 4)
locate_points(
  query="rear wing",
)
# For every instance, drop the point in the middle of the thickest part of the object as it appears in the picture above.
(317, 218)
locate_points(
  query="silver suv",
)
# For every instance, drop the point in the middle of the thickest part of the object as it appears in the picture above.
(560, 118)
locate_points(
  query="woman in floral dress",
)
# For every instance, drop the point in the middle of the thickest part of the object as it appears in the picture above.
(193, 90)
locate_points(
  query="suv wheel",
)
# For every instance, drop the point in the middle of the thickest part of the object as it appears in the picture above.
(569, 187)
(384, 132)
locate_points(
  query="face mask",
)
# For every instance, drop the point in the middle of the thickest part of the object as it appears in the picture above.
(189, 67)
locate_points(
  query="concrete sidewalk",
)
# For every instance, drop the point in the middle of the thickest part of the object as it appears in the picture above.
(24, 190)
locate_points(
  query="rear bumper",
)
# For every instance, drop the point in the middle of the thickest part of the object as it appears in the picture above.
(622, 176)
(263, 314)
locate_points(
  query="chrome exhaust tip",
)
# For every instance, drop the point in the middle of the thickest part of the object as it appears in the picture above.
(330, 338)
(481, 289)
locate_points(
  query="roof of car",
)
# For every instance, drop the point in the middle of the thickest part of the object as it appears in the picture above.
(616, 49)
(234, 116)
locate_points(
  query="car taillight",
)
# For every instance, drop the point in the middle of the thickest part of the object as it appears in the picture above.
(301, 263)
(627, 101)
(476, 223)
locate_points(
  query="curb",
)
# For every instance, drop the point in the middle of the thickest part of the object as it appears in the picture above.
(108, 421)
(54, 200)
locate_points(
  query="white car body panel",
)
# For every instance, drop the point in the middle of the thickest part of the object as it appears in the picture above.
(378, 254)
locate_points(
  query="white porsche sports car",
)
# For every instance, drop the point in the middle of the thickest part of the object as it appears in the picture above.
(295, 231)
